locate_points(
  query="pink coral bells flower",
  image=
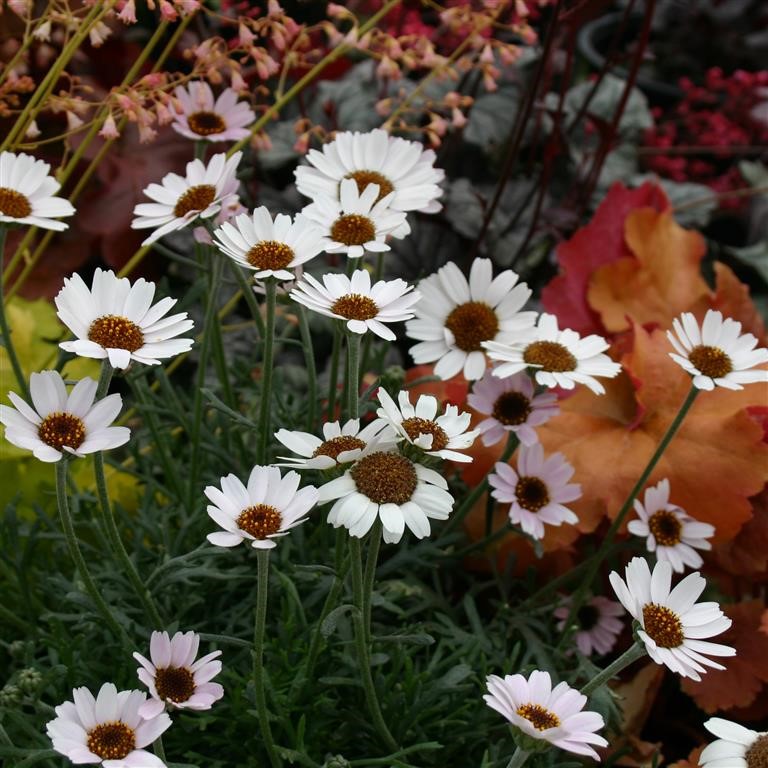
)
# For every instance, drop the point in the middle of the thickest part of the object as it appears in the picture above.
(717, 354)
(173, 676)
(598, 624)
(510, 406)
(107, 730)
(669, 531)
(537, 491)
(539, 711)
(225, 119)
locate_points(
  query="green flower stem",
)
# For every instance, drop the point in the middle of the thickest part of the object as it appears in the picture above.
(211, 317)
(474, 495)
(246, 288)
(332, 598)
(363, 649)
(518, 758)
(117, 545)
(159, 750)
(333, 373)
(160, 442)
(77, 555)
(262, 561)
(267, 369)
(309, 362)
(631, 655)
(200, 146)
(353, 375)
(374, 544)
(105, 379)
(378, 271)
(579, 596)
(5, 329)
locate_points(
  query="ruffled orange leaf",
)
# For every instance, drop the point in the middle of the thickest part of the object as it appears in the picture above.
(599, 242)
(746, 554)
(659, 280)
(715, 463)
(733, 300)
(746, 674)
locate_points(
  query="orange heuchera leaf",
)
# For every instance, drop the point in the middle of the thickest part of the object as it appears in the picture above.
(746, 674)
(715, 463)
(692, 761)
(599, 242)
(659, 280)
(747, 553)
(732, 299)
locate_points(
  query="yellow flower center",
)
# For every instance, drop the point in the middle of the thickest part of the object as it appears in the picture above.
(174, 684)
(112, 741)
(206, 123)
(337, 445)
(14, 204)
(532, 493)
(757, 755)
(538, 716)
(711, 361)
(354, 306)
(353, 229)
(60, 429)
(415, 427)
(260, 520)
(364, 178)
(511, 408)
(115, 332)
(663, 626)
(550, 356)
(195, 199)
(666, 528)
(269, 254)
(385, 478)
(471, 324)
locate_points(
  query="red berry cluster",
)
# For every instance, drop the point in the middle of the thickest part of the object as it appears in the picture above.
(722, 118)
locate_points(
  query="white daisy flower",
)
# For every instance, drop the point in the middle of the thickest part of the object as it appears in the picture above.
(117, 320)
(62, 422)
(559, 358)
(455, 316)
(224, 119)
(173, 676)
(544, 713)
(389, 486)
(442, 436)
(537, 491)
(354, 299)
(339, 445)
(106, 730)
(736, 746)
(270, 248)
(356, 222)
(669, 531)
(511, 406)
(27, 193)
(673, 625)
(598, 622)
(717, 354)
(397, 166)
(179, 200)
(267, 508)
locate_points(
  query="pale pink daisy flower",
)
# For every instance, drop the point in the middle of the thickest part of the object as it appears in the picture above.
(598, 624)
(511, 406)
(107, 730)
(718, 354)
(537, 490)
(669, 531)
(173, 676)
(673, 626)
(225, 119)
(539, 711)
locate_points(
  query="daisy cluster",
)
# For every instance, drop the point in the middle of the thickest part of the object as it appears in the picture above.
(385, 470)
